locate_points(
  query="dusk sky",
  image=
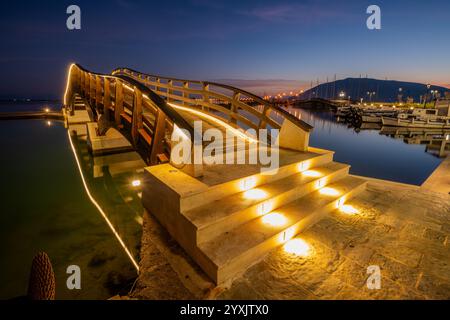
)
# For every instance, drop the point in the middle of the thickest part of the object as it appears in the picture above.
(216, 40)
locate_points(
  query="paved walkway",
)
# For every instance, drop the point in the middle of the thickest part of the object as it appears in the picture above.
(439, 180)
(403, 230)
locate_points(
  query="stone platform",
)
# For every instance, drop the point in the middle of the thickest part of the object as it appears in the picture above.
(439, 180)
(79, 117)
(112, 142)
(401, 228)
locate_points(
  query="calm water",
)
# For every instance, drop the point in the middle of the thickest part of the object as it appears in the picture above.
(44, 207)
(368, 152)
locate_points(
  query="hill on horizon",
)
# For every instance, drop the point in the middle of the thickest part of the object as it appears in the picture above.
(357, 88)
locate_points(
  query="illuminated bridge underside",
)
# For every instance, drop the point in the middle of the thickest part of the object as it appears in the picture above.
(225, 216)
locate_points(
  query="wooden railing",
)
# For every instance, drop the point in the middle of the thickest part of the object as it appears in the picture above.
(143, 116)
(233, 105)
(144, 108)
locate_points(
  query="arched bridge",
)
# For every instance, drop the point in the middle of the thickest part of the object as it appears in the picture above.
(226, 216)
(148, 108)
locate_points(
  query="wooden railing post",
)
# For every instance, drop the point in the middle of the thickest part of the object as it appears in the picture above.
(234, 106)
(169, 91)
(91, 90)
(106, 98)
(158, 137)
(86, 86)
(118, 106)
(136, 122)
(262, 122)
(205, 94)
(82, 83)
(158, 81)
(185, 94)
(98, 92)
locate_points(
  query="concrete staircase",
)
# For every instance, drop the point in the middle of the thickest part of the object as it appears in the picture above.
(233, 215)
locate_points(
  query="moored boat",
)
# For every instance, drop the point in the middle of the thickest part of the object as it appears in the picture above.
(417, 123)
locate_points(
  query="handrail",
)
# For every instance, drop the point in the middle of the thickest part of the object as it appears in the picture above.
(148, 118)
(144, 108)
(161, 103)
(264, 116)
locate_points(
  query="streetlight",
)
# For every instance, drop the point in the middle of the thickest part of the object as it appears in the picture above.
(370, 94)
(425, 96)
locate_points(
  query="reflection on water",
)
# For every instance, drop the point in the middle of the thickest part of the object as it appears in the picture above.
(367, 151)
(44, 207)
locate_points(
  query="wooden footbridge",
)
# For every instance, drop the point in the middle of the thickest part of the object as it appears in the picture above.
(226, 216)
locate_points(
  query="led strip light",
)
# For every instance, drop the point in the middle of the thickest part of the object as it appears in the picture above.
(133, 261)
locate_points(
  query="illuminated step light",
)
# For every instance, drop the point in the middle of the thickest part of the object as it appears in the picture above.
(255, 194)
(348, 209)
(274, 219)
(297, 247)
(136, 183)
(47, 110)
(329, 191)
(49, 123)
(301, 167)
(265, 207)
(247, 183)
(312, 173)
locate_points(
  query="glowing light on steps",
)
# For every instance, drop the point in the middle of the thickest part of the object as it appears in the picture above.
(327, 191)
(349, 209)
(247, 183)
(302, 166)
(297, 247)
(265, 207)
(312, 173)
(274, 219)
(255, 194)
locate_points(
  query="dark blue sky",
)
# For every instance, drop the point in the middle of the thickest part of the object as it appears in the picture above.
(200, 39)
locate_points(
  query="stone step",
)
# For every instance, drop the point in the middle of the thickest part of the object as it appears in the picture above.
(227, 213)
(235, 250)
(219, 181)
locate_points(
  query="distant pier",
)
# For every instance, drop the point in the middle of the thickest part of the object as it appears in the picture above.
(31, 115)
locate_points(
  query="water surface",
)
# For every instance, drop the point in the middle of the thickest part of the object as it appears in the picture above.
(45, 207)
(368, 152)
